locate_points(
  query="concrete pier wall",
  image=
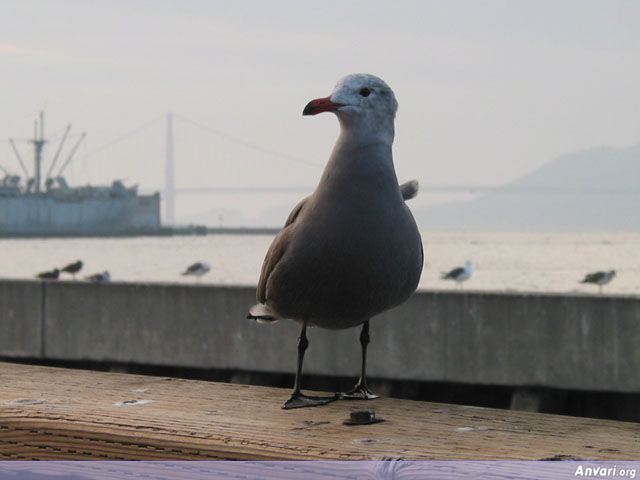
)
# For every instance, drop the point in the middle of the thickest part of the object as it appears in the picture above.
(585, 342)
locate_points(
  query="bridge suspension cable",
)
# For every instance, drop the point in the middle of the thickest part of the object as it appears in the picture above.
(245, 143)
(124, 136)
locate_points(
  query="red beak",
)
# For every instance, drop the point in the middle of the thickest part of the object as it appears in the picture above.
(320, 105)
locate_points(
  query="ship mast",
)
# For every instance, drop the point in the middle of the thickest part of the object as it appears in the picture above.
(38, 143)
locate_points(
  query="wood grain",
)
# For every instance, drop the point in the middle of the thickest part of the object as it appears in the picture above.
(63, 414)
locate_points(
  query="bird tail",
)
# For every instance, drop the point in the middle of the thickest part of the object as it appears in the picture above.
(262, 314)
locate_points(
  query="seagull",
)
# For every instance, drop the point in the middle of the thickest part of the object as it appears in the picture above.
(197, 269)
(351, 249)
(599, 278)
(459, 274)
(73, 268)
(50, 275)
(103, 277)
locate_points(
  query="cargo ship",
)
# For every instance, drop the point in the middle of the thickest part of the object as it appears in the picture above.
(49, 207)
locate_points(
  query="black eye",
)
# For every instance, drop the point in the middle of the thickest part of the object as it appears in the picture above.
(365, 92)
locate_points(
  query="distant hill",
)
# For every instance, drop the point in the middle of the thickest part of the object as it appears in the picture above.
(596, 189)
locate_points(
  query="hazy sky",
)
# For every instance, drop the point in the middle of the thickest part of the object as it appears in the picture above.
(488, 90)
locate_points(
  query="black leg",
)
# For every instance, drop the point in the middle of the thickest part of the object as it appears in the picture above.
(303, 343)
(298, 399)
(361, 391)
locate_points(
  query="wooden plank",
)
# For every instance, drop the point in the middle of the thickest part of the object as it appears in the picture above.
(64, 414)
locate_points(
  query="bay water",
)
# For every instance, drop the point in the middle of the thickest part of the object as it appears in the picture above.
(501, 261)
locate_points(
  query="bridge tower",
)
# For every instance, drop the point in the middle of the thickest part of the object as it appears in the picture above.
(169, 185)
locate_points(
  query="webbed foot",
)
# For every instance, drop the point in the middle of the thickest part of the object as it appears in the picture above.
(300, 400)
(359, 392)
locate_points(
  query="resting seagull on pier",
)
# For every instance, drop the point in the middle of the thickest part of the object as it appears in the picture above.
(49, 275)
(351, 249)
(599, 278)
(103, 277)
(73, 268)
(197, 269)
(459, 274)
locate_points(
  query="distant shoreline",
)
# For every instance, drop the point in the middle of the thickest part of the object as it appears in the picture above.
(159, 232)
(202, 230)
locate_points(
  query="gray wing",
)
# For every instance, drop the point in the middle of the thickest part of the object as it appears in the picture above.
(276, 251)
(593, 277)
(295, 212)
(453, 273)
(191, 268)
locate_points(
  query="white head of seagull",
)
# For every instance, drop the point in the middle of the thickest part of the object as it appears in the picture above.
(365, 106)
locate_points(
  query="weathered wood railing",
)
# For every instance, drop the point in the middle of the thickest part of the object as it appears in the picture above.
(63, 414)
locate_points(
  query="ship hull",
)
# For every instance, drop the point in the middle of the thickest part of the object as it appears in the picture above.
(45, 216)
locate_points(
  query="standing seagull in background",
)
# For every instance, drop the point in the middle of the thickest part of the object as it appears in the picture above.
(73, 268)
(197, 269)
(351, 249)
(599, 278)
(459, 274)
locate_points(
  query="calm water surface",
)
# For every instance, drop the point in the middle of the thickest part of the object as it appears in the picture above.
(501, 261)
